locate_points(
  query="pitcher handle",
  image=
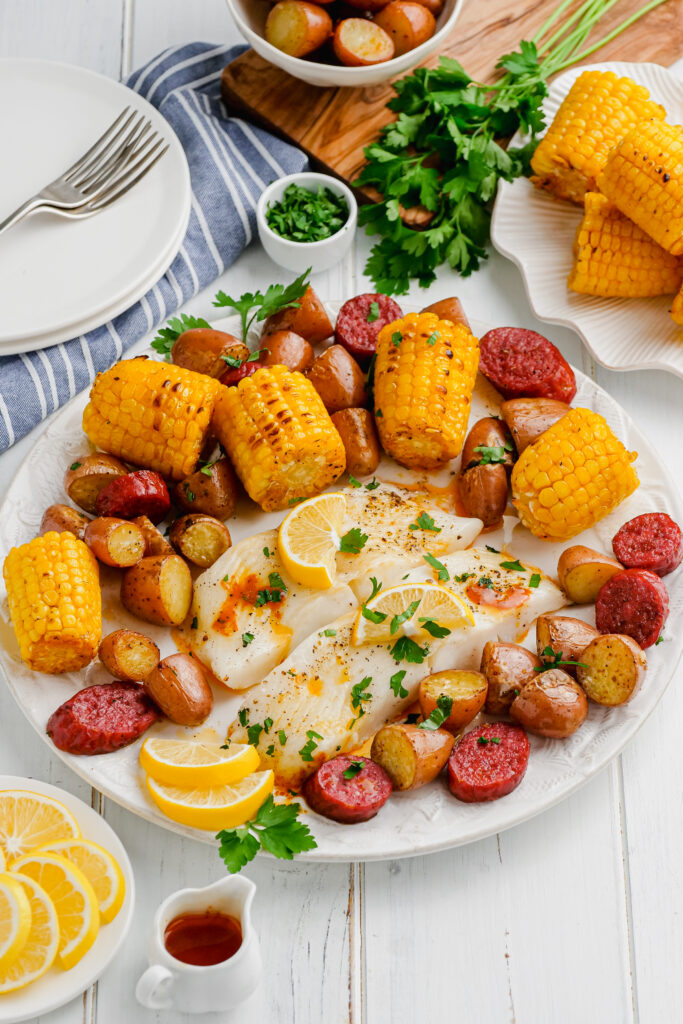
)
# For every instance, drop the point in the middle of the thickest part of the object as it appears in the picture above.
(153, 989)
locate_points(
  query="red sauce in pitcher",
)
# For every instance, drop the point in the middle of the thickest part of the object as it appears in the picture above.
(203, 939)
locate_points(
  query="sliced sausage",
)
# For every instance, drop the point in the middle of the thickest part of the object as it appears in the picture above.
(361, 319)
(103, 718)
(488, 762)
(348, 800)
(142, 493)
(634, 602)
(652, 541)
(523, 364)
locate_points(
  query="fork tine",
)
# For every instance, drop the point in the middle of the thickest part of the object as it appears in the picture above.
(113, 149)
(97, 174)
(129, 169)
(110, 196)
(125, 115)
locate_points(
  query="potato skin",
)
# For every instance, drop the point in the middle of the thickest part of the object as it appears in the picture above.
(467, 689)
(448, 309)
(86, 476)
(114, 648)
(484, 492)
(214, 493)
(100, 538)
(308, 319)
(179, 687)
(507, 668)
(143, 595)
(297, 27)
(368, 5)
(582, 571)
(201, 349)
(64, 519)
(358, 432)
(286, 348)
(182, 529)
(564, 633)
(550, 705)
(490, 433)
(155, 542)
(528, 418)
(407, 23)
(424, 753)
(359, 43)
(338, 379)
(615, 666)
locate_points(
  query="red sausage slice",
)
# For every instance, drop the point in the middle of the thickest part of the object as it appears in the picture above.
(348, 801)
(652, 541)
(356, 332)
(488, 762)
(234, 374)
(524, 364)
(142, 493)
(103, 718)
(634, 602)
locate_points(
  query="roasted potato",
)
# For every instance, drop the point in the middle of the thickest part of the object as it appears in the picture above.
(199, 538)
(155, 542)
(179, 687)
(358, 432)
(436, 7)
(212, 490)
(297, 27)
(507, 668)
(411, 756)
(338, 379)
(466, 689)
(527, 418)
(582, 572)
(488, 433)
(308, 319)
(367, 5)
(202, 349)
(407, 23)
(158, 589)
(359, 43)
(64, 519)
(550, 705)
(566, 634)
(484, 492)
(128, 656)
(87, 475)
(286, 348)
(448, 309)
(115, 541)
(613, 667)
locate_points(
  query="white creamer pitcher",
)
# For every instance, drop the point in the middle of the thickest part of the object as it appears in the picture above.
(169, 983)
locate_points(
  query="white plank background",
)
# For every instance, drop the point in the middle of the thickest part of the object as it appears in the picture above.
(572, 918)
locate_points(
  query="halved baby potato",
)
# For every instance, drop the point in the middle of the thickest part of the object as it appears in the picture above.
(88, 474)
(550, 705)
(408, 24)
(411, 756)
(466, 689)
(614, 666)
(507, 668)
(115, 541)
(128, 656)
(359, 43)
(158, 589)
(582, 572)
(566, 634)
(297, 27)
(64, 519)
(199, 538)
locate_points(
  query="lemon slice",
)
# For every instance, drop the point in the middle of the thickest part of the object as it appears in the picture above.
(99, 867)
(40, 949)
(15, 920)
(216, 808)
(28, 820)
(189, 763)
(308, 540)
(73, 898)
(435, 605)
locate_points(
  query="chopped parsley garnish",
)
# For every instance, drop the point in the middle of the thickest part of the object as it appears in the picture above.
(515, 566)
(194, 623)
(396, 339)
(359, 695)
(376, 587)
(403, 616)
(374, 483)
(553, 659)
(485, 581)
(253, 306)
(433, 338)
(267, 724)
(270, 750)
(75, 465)
(189, 492)
(168, 335)
(274, 828)
(329, 632)
(442, 572)
(253, 733)
(373, 313)
(494, 550)
(395, 684)
(353, 481)
(378, 412)
(534, 580)
(353, 542)
(247, 638)
(440, 713)
(306, 752)
(463, 577)
(272, 594)
(355, 768)
(207, 467)
(425, 522)
(243, 717)
(305, 215)
(433, 628)
(295, 501)
(366, 612)
(267, 552)
(275, 580)
(282, 736)
(659, 640)
(406, 649)
(491, 454)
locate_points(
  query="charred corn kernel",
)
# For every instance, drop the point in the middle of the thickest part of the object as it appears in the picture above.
(677, 308)
(644, 178)
(152, 414)
(573, 475)
(424, 378)
(614, 257)
(596, 113)
(280, 437)
(54, 598)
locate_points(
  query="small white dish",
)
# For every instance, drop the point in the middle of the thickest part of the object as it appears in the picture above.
(299, 256)
(250, 18)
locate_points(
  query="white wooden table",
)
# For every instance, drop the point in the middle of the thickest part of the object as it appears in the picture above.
(573, 918)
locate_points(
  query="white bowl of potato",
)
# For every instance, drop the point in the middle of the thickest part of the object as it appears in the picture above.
(345, 42)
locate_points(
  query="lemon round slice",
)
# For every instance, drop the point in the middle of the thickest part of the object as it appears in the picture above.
(15, 920)
(308, 540)
(73, 898)
(216, 808)
(431, 609)
(99, 867)
(28, 820)
(188, 763)
(40, 949)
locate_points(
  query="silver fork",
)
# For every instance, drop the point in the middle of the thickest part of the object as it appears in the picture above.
(116, 162)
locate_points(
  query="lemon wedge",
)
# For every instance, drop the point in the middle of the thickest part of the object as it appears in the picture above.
(15, 920)
(40, 949)
(411, 609)
(28, 820)
(309, 537)
(188, 763)
(215, 808)
(99, 867)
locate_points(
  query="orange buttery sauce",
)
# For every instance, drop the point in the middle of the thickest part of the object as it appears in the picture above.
(203, 939)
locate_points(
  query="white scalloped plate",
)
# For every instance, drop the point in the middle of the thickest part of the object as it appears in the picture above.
(536, 231)
(429, 819)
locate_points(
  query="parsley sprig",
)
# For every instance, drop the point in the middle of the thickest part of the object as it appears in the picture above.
(253, 306)
(274, 828)
(177, 325)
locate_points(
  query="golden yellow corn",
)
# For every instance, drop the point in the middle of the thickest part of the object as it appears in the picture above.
(424, 378)
(55, 603)
(615, 258)
(280, 437)
(677, 309)
(152, 414)
(644, 178)
(596, 113)
(573, 475)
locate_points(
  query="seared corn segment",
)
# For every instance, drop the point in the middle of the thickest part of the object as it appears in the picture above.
(54, 598)
(644, 178)
(615, 258)
(573, 475)
(596, 113)
(152, 414)
(677, 308)
(280, 437)
(424, 378)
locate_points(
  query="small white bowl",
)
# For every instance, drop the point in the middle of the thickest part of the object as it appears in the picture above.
(250, 18)
(298, 256)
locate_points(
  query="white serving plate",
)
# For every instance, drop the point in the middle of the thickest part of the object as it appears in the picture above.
(57, 986)
(429, 819)
(536, 231)
(83, 272)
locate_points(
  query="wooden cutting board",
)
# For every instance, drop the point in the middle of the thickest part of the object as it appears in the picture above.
(333, 125)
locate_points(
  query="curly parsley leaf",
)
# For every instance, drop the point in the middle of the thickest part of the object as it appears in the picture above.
(433, 628)
(406, 649)
(425, 522)
(353, 542)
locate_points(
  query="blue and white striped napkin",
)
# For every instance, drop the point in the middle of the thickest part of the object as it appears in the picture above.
(230, 162)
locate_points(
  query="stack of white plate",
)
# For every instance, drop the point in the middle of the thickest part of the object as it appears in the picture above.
(61, 278)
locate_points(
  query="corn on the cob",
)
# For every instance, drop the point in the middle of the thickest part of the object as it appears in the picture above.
(677, 308)
(644, 178)
(573, 475)
(424, 378)
(55, 602)
(280, 437)
(596, 113)
(152, 414)
(614, 257)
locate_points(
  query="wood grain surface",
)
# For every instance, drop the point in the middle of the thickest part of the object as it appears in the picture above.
(333, 125)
